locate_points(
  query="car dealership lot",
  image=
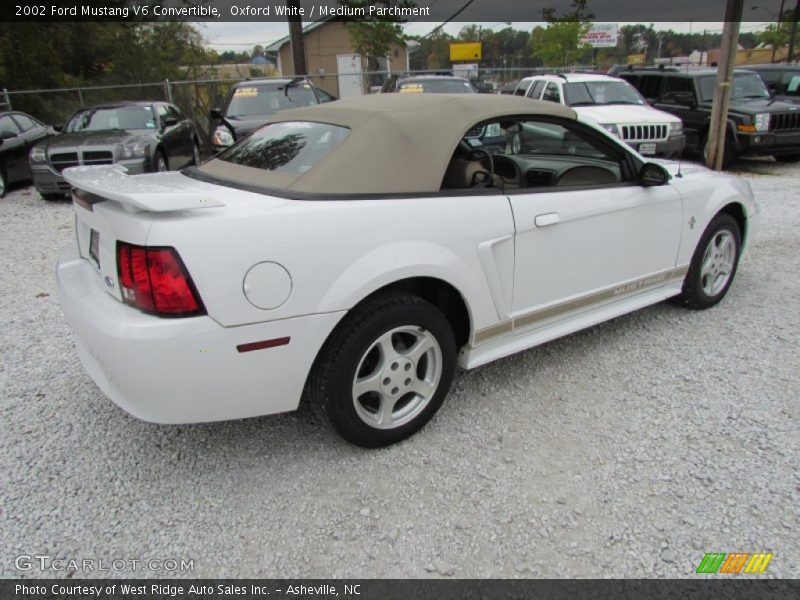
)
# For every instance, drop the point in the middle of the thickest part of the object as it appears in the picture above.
(630, 449)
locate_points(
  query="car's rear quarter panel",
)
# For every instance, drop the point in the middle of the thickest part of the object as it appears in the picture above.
(338, 252)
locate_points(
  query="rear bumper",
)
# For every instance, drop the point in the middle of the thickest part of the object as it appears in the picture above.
(184, 370)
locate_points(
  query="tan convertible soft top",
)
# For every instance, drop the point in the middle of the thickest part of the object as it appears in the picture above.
(398, 143)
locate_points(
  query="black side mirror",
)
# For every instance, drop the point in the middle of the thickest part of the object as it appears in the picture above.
(58, 128)
(7, 135)
(169, 121)
(651, 175)
(215, 113)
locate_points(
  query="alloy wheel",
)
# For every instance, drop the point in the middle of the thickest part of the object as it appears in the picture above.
(397, 377)
(719, 259)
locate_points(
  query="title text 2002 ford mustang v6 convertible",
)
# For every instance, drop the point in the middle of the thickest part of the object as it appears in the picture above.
(355, 252)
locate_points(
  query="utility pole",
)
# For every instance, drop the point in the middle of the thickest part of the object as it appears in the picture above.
(296, 37)
(780, 19)
(793, 35)
(722, 89)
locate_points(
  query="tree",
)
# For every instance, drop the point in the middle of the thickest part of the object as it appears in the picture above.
(470, 33)
(372, 37)
(775, 36)
(559, 44)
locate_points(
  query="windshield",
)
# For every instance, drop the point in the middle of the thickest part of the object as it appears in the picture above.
(601, 92)
(259, 100)
(745, 85)
(435, 86)
(124, 117)
(291, 147)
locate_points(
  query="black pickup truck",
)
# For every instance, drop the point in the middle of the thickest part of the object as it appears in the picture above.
(758, 124)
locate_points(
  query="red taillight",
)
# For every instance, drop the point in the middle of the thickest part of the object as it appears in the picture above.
(155, 281)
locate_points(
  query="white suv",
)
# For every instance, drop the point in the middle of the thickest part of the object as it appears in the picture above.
(613, 104)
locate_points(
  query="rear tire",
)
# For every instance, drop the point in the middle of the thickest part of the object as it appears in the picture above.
(713, 265)
(3, 183)
(385, 370)
(788, 158)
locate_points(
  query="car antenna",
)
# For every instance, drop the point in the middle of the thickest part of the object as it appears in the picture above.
(679, 175)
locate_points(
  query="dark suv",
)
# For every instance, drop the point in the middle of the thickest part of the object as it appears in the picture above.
(758, 125)
(250, 103)
(782, 81)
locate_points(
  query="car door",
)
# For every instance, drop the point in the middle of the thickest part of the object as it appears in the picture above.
(680, 98)
(171, 138)
(33, 131)
(588, 234)
(185, 132)
(13, 152)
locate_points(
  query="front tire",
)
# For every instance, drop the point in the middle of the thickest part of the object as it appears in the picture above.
(385, 370)
(728, 154)
(714, 264)
(161, 162)
(195, 153)
(3, 183)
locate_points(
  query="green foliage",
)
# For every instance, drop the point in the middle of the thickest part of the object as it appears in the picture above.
(372, 37)
(66, 55)
(774, 36)
(505, 48)
(230, 56)
(559, 43)
(43, 55)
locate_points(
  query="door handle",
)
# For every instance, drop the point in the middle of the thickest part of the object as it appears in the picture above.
(547, 219)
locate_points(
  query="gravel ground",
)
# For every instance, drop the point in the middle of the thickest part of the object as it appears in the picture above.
(628, 450)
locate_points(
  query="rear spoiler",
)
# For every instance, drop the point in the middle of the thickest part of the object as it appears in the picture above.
(161, 192)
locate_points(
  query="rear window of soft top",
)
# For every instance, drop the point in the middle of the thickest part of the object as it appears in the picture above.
(290, 146)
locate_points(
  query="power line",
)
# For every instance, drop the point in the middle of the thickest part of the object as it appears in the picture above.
(450, 18)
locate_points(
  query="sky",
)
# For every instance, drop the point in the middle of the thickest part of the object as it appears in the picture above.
(244, 35)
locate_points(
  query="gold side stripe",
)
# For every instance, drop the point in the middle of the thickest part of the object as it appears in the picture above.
(621, 291)
(501, 328)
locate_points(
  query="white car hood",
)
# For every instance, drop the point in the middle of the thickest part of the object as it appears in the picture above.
(622, 114)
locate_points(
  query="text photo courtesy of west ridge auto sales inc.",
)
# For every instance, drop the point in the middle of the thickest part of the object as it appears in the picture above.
(382, 299)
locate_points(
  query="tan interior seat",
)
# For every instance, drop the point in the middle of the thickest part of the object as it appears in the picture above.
(459, 174)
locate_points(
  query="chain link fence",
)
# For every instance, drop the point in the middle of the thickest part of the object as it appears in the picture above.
(196, 98)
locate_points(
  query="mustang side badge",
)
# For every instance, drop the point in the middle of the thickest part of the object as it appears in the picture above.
(692, 221)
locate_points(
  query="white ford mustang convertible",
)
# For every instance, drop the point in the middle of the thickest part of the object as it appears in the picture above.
(354, 253)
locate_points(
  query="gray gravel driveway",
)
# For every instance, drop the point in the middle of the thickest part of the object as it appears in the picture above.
(628, 450)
